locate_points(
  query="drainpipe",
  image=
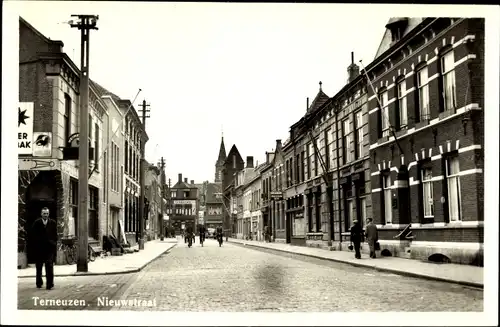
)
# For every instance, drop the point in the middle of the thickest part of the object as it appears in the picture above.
(338, 177)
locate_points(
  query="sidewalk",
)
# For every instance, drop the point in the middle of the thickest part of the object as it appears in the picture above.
(453, 273)
(124, 264)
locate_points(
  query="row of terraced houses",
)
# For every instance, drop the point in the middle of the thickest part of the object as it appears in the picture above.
(402, 142)
(48, 173)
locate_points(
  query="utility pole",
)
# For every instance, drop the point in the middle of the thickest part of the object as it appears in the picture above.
(170, 205)
(85, 24)
(162, 195)
(141, 175)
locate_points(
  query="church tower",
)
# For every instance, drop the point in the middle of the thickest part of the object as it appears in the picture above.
(220, 161)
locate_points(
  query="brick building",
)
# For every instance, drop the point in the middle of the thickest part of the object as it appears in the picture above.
(232, 164)
(48, 121)
(183, 205)
(427, 138)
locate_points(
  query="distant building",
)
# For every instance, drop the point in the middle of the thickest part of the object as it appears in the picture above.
(233, 164)
(219, 165)
(214, 205)
(183, 206)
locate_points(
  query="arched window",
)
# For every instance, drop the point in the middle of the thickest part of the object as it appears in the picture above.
(402, 109)
(423, 91)
(448, 85)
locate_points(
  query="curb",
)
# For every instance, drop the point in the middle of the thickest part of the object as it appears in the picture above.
(122, 272)
(394, 271)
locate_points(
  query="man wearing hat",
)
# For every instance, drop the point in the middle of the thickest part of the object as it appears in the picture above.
(356, 238)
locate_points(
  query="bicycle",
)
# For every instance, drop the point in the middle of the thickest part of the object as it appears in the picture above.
(70, 249)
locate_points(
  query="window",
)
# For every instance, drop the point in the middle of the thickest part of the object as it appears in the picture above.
(362, 204)
(105, 179)
(234, 161)
(387, 198)
(172, 194)
(384, 113)
(318, 212)
(359, 134)
(346, 140)
(327, 150)
(91, 140)
(396, 33)
(73, 204)
(93, 212)
(96, 151)
(302, 163)
(402, 108)
(423, 94)
(350, 213)
(454, 195)
(315, 157)
(427, 193)
(448, 79)
(310, 213)
(126, 158)
(67, 117)
(309, 160)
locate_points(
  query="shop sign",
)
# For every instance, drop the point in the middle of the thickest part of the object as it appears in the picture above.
(25, 128)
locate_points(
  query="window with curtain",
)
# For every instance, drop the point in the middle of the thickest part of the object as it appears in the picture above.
(359, 134)
(67, 117)
(93, 212)
(448, 80)
(423, 93)
(428, 194)
(402, 108)
(387, 198)
(384, 113)
(309, 154)
(454, 195)
(327, 149)
(96, 152)
(346, 141)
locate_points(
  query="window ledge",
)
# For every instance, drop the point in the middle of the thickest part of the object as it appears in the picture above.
(402, 132)
(421, 124)
(383, 139)
(446, 113)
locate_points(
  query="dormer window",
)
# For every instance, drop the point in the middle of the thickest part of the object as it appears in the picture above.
(396, 33)
(397, 27)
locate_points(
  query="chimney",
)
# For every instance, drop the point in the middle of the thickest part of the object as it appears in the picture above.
(278, 145)
(185, 180)
(249, 162)
(192, 181)
(180, 178)
(352, 70)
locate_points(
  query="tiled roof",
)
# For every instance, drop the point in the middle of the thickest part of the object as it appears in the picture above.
(104, 91)
(318, 101)
(212, 189)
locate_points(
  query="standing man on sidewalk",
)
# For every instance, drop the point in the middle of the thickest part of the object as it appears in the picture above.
(371, 236)
(44, 236)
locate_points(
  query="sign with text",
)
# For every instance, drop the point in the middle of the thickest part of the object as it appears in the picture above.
(42, 144)
(25, 128)
(192, 202)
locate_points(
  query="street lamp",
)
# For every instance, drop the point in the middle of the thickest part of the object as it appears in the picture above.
(85, 23)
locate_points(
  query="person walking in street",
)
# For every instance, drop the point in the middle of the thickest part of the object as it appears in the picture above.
(44, 238)
(371, 236)
(356, 238)
(202, 234)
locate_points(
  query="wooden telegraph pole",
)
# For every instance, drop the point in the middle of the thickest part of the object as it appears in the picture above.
(142, 175)
(162, 196)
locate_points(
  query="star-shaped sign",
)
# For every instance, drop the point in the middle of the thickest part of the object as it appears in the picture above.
(22, 117)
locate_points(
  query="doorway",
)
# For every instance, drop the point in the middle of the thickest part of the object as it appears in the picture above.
(40, 194)
(288, 226)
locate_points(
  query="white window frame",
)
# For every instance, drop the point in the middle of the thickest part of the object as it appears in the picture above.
(454, 175)
(362, 204)
(347, 139)
(428, 199)
(402, 105)
(423, 93)
(359, 128)
(387, 186)
(449, 82)
(384, 112)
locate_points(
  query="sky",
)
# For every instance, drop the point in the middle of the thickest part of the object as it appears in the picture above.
(244, 70)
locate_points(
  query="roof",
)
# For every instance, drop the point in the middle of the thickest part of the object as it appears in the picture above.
(386, 41)
(222, 152)
(104, 91)
(233, 151)
(318, 101)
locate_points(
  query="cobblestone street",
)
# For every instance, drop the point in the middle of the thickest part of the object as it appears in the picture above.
(235, 278)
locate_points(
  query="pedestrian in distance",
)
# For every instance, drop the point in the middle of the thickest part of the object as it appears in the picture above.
(44, 238)
(371, 237)
(356, 238)
(202, 234)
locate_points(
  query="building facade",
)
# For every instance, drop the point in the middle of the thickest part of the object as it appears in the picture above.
(214, 206)
(233, 164)
(48, 121)
(183, 206)
(153, 196)
(427, 138)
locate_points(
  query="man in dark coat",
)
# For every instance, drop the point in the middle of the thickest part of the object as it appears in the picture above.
(371, 236)
(44, 237)
(356, 238)
(202, 233)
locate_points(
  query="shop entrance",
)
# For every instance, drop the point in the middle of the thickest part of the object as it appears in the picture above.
(41, 193)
